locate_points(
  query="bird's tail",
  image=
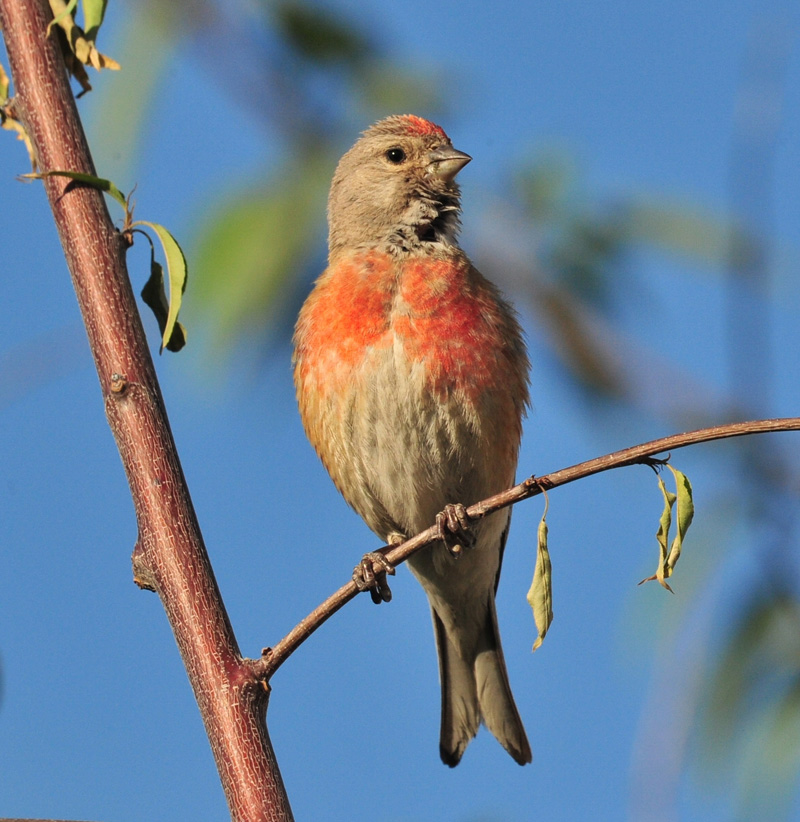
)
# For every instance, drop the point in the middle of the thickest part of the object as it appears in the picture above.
(475, 688)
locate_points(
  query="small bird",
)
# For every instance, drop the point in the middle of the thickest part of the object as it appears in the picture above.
(412, 380)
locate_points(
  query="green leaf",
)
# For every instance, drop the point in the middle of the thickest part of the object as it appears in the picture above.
(540, 595)
(106, 186)
(166, 307)
(93, 13)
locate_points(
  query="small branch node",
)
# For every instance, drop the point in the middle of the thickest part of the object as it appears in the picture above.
(142, 573)
(653, 462)
(261, 669)
(144, 584)
(541, 484)
(119, 385)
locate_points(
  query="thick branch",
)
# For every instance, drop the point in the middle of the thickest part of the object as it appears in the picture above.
(170, 556)
(274, 657)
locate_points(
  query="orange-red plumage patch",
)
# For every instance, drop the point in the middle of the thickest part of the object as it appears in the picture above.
(418, 125)
(346, 314)
(445, 319)
(451, 325)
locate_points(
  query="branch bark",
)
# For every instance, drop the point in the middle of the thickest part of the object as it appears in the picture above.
(170, 556)
(272, 658)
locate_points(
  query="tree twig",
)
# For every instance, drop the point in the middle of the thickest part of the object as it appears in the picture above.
(272, 658)
(170, 556)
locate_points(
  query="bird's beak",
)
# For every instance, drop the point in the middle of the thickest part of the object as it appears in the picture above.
(445, 162)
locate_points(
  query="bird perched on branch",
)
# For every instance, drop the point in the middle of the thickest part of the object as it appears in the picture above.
(412, 380)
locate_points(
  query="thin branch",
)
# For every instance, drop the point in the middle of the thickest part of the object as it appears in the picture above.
(272, 658)
(170, 556)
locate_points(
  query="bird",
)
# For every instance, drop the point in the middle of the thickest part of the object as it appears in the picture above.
(412, 380)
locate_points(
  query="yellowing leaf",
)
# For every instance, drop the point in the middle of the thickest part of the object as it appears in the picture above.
(63, 11)
(80, 43)
(8, 122)
(684, 516)
(102, 61)
(4, 85)
(540, 595)
(173, 335)
(669, 554)
(662, 535)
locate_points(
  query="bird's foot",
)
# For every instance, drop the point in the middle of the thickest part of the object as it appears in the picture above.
(370, 575)
(453, 521)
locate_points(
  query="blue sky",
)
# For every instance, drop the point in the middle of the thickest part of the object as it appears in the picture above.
(97, 720)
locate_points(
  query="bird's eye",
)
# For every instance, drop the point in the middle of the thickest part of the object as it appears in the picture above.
(396, 155)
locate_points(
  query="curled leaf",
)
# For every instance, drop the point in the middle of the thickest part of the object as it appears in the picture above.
(166, 303)
(540, 595)
(684, 514)
(155, 298)
(669, 554)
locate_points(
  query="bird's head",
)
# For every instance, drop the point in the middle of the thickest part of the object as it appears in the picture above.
(395, 189)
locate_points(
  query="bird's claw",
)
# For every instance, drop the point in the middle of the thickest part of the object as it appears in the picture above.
(455, 521)
(367, 578)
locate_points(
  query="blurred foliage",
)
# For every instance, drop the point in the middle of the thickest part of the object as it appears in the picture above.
(575, 266)
(252, 246)
(319, 36)
(311, 78)
(751, 709)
